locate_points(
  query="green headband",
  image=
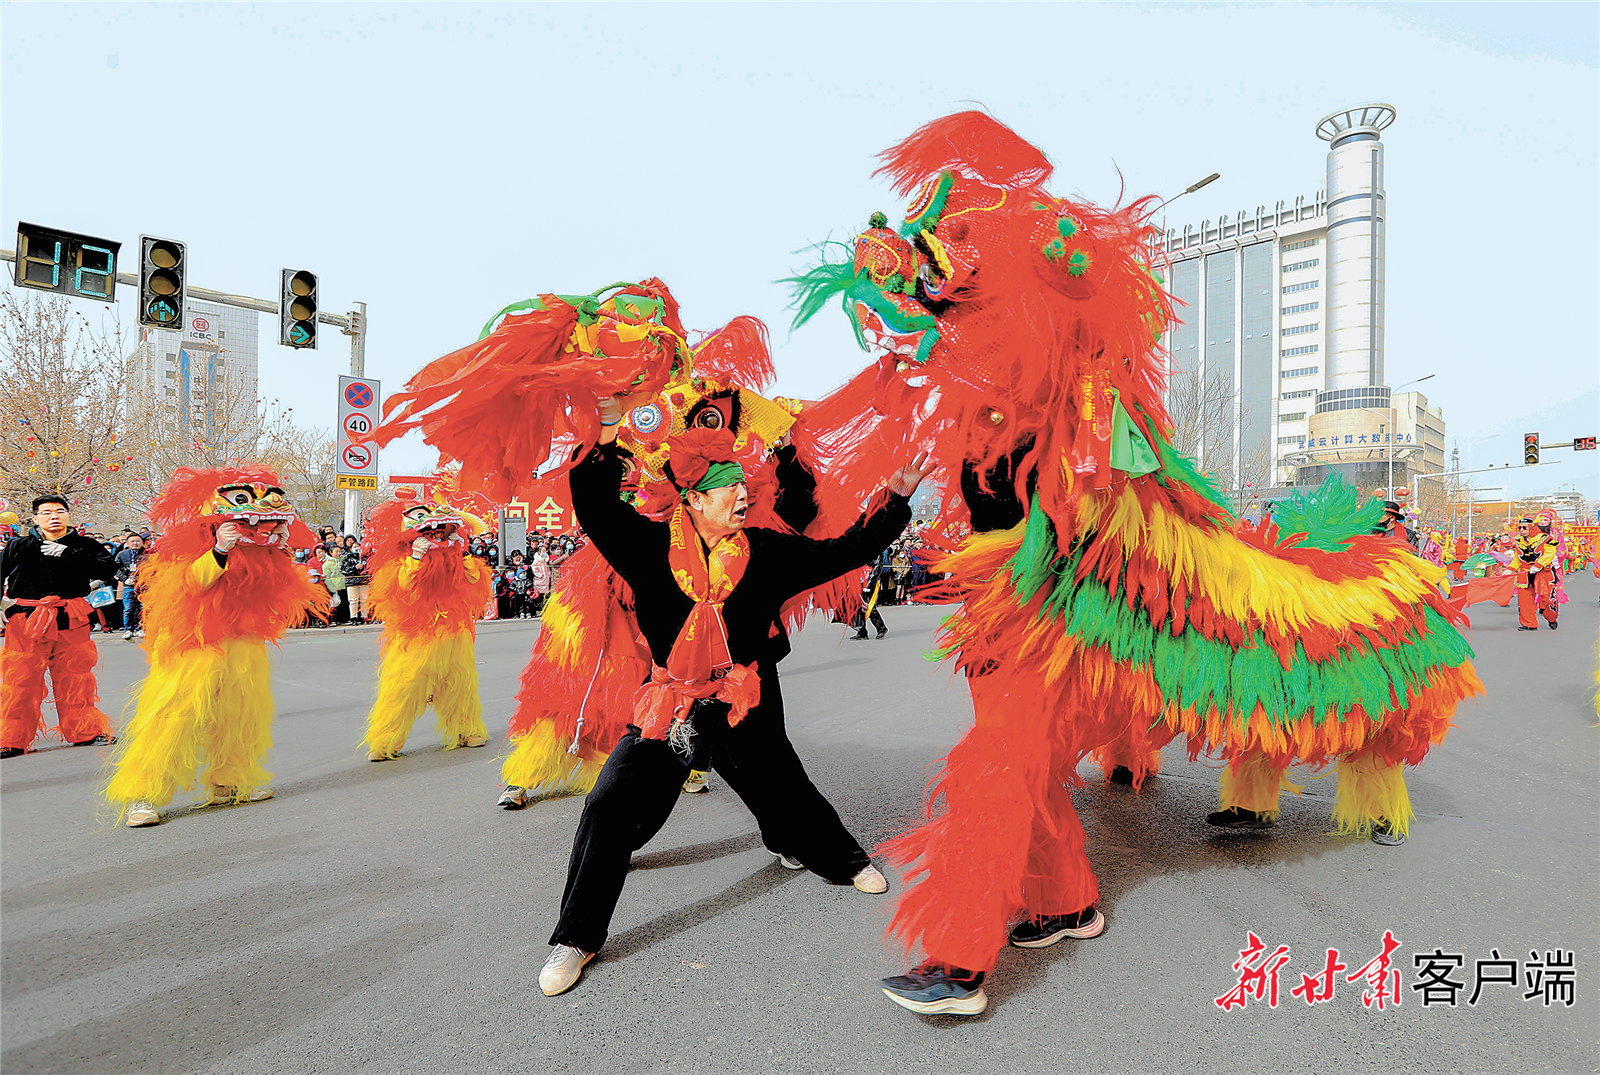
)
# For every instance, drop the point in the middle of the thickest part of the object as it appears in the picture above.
(719, 475)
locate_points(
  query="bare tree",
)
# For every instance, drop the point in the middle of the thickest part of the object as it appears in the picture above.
(74, 421)
(62, 402)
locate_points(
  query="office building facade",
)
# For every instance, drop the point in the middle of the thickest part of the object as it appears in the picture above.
(1282, 339)
(200, 382)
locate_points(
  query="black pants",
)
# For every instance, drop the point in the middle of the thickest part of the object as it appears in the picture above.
(860, 622)
(642, 781)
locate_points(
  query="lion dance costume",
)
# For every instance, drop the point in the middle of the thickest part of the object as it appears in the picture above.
(429, 605)
(498, 404)
(205, 710)
(1112, 602)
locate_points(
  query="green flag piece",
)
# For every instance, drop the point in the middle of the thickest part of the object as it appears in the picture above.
(1129, 449)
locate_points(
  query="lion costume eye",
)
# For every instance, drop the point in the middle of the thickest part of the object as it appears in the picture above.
(237, 497)
(710, 418)
(417, 513)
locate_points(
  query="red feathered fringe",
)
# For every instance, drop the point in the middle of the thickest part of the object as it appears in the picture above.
(262, 593)
(441, 600)
(973, 143)
(496, 405)
(737, 353)
(592, 666)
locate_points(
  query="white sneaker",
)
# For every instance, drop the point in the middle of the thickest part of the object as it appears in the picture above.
(563, 968)
(696, 782)
(379, 755)
(513, 797)
(787, 862)
(871, 881)
(141, 814)
(127, 636)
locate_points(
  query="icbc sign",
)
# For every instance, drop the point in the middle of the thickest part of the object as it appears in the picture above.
(357, 464)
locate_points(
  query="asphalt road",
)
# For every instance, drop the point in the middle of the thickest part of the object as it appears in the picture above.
(388, 918)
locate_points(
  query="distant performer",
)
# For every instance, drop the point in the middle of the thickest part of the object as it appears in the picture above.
(47, 574)
(221, 583)
(429, 593)
(1535, 568)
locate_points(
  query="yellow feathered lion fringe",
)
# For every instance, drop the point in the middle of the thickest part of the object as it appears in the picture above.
(419, 671)
(210, 707)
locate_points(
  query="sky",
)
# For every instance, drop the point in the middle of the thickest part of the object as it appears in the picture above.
(440, 161)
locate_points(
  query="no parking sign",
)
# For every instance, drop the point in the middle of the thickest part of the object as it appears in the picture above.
(356, 465)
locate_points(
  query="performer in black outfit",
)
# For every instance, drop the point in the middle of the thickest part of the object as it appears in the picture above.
(707, 597)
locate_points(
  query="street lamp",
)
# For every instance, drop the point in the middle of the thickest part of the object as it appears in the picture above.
(1393, 421)
(1192, 187)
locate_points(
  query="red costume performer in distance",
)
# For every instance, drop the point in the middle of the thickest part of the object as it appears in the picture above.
(47, 573)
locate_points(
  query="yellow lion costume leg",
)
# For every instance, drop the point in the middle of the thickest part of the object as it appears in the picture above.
(419, 671)
(212, 703)
(1371, 790)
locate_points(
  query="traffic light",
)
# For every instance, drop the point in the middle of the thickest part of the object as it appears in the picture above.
(1530, 449)
(1583, 444)
(162, 266)
(297, 309)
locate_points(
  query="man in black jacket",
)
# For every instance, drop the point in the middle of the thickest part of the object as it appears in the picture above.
(707, 596)
(46, 575)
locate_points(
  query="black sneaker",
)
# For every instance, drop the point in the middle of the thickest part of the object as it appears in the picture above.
(862, 637)
(11, 752)
(935, 989)
(1045, 930)
(1553, 626)
(1235, 817)
(1522, 628)
(1384, 833)
(886, 631)
(1121, 775)
(97, 741)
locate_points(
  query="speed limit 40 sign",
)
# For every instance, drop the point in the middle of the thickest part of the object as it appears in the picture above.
(357, 464)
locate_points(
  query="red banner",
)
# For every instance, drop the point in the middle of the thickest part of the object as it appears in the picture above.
(549, 507)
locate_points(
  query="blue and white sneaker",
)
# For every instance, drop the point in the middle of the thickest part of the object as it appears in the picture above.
(936, 989)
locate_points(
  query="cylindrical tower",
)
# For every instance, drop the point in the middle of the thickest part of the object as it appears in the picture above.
(1356, 209)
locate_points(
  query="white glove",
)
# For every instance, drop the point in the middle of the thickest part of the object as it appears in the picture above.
(53, 548)
(279, 535)
(420, 547)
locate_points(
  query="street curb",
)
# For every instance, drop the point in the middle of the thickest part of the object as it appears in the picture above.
(370, 628)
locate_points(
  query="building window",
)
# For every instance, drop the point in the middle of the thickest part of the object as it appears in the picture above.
(1298, 265)
(1298, 441)
(1300, 244)
(1305, 371)
(1299, 395)
(1295, 352)
(1307, 286)
(1304, 307)
(221, 335)
(1297, 416)
(1301, 330)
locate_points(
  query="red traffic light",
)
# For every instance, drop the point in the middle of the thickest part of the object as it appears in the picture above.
(1530, 449)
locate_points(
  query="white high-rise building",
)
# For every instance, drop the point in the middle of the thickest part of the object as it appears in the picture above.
(1283, 314)
(202, 379)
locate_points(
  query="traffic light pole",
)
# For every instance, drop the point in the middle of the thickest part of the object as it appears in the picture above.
(353, 325)
(356, 329)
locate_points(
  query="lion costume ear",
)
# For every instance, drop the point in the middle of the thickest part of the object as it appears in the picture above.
(973, 144)
(1065, 254)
